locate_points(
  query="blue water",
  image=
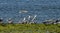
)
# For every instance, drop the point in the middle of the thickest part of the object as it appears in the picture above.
(44, 9)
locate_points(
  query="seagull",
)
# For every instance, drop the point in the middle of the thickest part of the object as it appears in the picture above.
(24, 19)
(34, 17)
(29, 17)
(23, 11)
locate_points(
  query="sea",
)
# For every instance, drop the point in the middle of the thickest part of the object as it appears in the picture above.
(17, 10)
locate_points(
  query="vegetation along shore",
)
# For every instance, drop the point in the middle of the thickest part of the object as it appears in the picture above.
(49, 26)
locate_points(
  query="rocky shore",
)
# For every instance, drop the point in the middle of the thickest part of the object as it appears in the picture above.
(30, 22)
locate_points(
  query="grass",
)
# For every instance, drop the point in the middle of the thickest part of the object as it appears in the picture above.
(29, 28)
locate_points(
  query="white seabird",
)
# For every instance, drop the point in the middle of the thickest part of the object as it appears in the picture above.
(29, 17)
(34, 17)
(23, 11)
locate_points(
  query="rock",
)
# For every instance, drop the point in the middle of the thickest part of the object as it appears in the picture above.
(49, 22)
(1, 20)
